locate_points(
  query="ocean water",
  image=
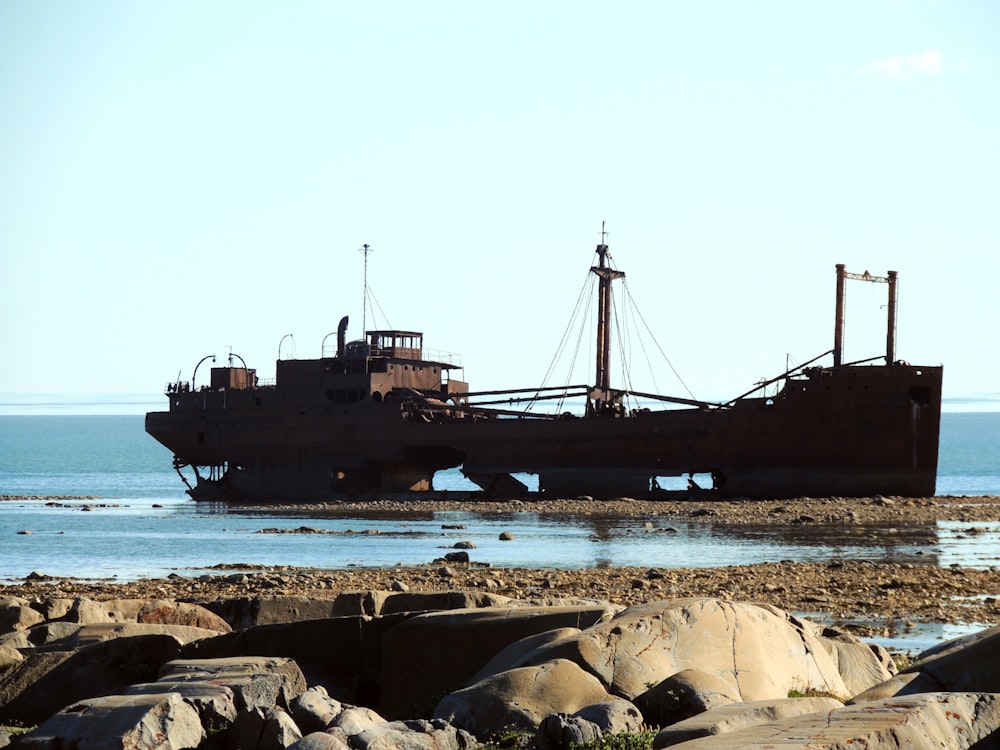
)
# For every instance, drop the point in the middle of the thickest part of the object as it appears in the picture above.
(141, 523)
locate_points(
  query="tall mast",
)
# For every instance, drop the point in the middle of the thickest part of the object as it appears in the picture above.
(892, 279)
(365, 249)
(604, 307)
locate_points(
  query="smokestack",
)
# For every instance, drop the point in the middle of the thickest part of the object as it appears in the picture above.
(342, 336)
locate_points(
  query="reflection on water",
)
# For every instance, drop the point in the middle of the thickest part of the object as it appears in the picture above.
(143, 538)
(969, 545)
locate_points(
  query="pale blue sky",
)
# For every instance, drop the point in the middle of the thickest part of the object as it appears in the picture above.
(179, 178)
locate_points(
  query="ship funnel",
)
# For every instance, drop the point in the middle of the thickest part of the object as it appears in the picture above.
(342, 336)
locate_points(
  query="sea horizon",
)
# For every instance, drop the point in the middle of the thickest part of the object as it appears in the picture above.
(98, 404)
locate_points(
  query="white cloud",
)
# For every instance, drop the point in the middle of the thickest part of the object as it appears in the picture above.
(903, 67)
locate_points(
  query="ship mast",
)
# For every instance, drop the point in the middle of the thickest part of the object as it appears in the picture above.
(366, 249)
(892, 279)
(606, 274)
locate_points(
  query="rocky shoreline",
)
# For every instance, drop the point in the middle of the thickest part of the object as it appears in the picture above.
(869, 598)
(456, 652)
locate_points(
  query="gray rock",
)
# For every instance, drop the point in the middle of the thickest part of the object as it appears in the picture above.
(945, 721)
(685, 694)
(91, 633)
(272, 610)
(320, 741)
(46, 681)
(166, 612)
(342, 653)
(514, 655)
(256, 681)
(352, 603)
(355, 720)
(853, 657)
(116, 722)
(87, 612)
(900, 684)
(215, 704)
(970, 663)
(54, 633)
(17, 639)
(416, 734)
(520, 698)
(15, 614)
(432, 654)
(967, 664)
(437, 601)
(589, 724)
(756, 648)
(54, 608)
(315, 710)
(736, 716)
(263, 729)
(9, 656)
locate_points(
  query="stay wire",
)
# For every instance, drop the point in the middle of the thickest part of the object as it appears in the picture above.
(659, 348)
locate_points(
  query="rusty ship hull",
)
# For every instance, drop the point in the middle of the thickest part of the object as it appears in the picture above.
(859, 431)
(380, 419)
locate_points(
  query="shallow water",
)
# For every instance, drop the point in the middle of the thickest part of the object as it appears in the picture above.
(148, 538)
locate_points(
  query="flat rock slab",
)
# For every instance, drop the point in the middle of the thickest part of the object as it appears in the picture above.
(216, 704)
(945, 721)
(97, 632)
(116, 722)
(737, 716)
(257, 681)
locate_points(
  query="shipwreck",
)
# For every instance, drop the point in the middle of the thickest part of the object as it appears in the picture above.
(379, 417)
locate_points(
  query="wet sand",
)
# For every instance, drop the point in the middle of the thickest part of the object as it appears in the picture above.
(869, 598)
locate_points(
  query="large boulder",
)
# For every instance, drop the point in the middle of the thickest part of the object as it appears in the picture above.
(87, 612)
(215, 704)
(514, 655)
(271, 610)
(9, 656)
(315, 710)
(46, 681)
(256, 681)
(521, 698)
(588, 725)
(86, 635)
(437, 601)
(970, 663)
(263, 729)
(685, 694)
(16, 614)
(736, 716)
(321, 741)
(413, 734)
(116, 722)
(343, 654)
(166, 612)
(432, 654)
(757, 649)
(944, 721)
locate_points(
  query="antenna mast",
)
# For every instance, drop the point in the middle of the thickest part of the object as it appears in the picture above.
(365, 249)
(604, 307)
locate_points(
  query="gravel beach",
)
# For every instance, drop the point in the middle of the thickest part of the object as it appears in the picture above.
(870, 598)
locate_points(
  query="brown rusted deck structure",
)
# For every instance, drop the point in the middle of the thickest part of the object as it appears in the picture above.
(379, 418)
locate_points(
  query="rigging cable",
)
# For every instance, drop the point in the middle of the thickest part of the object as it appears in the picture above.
(582, 302)
(659, 348)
